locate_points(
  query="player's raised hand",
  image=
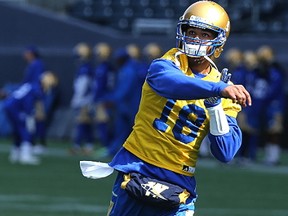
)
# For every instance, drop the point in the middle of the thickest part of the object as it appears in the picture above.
(238, 94)
(214, 101)
(225, 76)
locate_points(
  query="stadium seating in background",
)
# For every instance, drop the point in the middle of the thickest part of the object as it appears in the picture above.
(145, 16)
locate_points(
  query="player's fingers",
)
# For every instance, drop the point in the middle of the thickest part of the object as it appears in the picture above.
(228, 77)
(240, 100)
(238, 94)
(244, 96)
(235, 93)
(248, 97)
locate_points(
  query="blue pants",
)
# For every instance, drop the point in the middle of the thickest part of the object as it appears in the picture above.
(122, 128)
(20, 133)
(123, 205)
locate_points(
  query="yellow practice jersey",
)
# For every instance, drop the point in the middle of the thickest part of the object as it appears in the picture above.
(168, 132)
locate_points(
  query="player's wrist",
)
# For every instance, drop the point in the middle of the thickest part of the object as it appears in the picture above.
(212, 102)
(218, 121)
(221, 88)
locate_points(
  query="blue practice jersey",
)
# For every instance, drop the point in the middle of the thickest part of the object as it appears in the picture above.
(83, 85)
(23, 99)
(33, 71)
(103, 80)
(127, 92)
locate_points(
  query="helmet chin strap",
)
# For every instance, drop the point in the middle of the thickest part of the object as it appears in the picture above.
(211, 62)
(206, 57)
(177, 62)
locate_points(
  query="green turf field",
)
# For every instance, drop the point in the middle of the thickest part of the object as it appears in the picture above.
(57, 188)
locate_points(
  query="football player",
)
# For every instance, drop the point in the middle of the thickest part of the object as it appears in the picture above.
(184, 98)
(248, 119)
(274, 72)
(33, 71)
(20, 109)
(103, 83)
(125, 98)
(35, 65)
(82, 100)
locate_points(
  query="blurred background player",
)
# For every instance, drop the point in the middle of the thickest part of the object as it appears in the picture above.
(35, 66)
(246, 76)
(234, 58)
(124, 98)
(20, 110)
(43, 114)
(33, 71)
(82, 100)
(273, 72)
(150, 52)
(136, 56)
(262, 123)
(104, 82)
(134, 51)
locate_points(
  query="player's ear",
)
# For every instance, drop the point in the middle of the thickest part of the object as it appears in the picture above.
(218, 51)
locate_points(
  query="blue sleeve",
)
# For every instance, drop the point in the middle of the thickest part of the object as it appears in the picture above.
(125, 84)
(28, 76)
(29, 100)
(276, 84)
(85, 69)
(238, 76)
(165, 78)
(226, 146)
(101, 80)
(34, 71)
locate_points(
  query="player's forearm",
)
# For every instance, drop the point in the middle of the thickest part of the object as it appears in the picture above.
(169, 82)
(225, 147)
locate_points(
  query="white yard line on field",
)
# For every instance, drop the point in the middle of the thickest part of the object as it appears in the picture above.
(31, 202)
